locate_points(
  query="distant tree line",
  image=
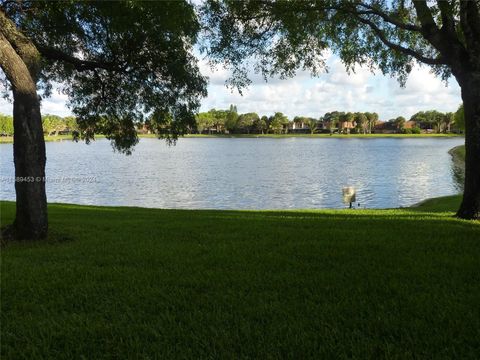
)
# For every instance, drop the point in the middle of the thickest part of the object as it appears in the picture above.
(52, 125)
(434, 120)
(6, 125)
(230, 122)
(430, 121)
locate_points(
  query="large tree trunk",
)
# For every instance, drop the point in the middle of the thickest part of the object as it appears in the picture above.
(20, 67)
(470, 207)
(29, 157)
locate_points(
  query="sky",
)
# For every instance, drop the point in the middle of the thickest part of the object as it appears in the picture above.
(306, 96)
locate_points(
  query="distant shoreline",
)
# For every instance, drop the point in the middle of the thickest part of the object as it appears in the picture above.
(321, 136)
(9, 139)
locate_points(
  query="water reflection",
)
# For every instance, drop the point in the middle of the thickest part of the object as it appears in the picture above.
(249, 173)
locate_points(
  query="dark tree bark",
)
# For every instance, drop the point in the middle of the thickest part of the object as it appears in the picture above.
(20, 61)
(463, 58)
(31, 220)
(469, 79)
(470, 207)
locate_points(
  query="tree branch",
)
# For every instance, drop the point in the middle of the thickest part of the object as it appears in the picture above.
(375, 11)
(446, 11)
(52, 53)
(397, 47)
(454, 47)
(425, 16)
(15, 69)
(21, 44)
(30, 52)
(378, 32)
(445, 41)
(470, 22)
(430, 30)
(472, 12)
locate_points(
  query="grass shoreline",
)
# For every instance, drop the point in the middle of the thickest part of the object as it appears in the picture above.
(9, 139)
(458, 154)
(458, 166)
(125, 282)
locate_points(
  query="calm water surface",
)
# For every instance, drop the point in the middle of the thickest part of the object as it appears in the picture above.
(222, 173)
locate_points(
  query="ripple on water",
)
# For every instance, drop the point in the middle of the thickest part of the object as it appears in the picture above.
(248, 173)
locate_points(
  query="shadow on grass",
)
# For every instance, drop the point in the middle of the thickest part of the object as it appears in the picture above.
(75, 222)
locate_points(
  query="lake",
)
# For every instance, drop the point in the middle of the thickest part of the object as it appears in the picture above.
(246, 173)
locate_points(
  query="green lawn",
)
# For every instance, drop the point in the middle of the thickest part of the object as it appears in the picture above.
(9, 139)
(133, 283)
(441, 204)
(48, 138)
(458, 152)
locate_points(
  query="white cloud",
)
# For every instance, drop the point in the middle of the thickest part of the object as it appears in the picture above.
(338, 90)
(55, 104)
(303, 95)
(5, 107)
(425, 92)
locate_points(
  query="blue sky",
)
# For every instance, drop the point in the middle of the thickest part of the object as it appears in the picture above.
(307, 96)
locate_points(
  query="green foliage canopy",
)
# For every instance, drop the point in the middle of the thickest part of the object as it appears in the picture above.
(280, 37)
(52, 123)
(434, 119)
(278, 123)
(120, 63)
(246, 121)
(460, 118)
(6, 125)
(400, 122)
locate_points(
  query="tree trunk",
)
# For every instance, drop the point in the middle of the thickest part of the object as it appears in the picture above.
(470, 207)
(29, 157)
(28, 143)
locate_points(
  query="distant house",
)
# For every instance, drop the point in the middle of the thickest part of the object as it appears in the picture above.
(342, 126)
(298, 127)
(143, 129)
(322, 126)
(382, 127)
(409, 124)
(214, 129)
(346, 126)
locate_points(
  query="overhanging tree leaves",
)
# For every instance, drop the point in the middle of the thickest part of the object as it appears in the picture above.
(119, 62)
(280, 37)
